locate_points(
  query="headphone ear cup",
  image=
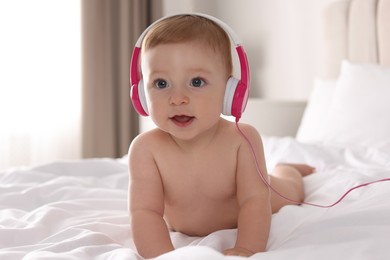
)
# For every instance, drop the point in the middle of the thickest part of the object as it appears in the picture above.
(230, 89)
(236, 98)
(138, 98)
(240, 100)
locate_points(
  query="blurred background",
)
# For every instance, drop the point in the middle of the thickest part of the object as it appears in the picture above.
(64, 67)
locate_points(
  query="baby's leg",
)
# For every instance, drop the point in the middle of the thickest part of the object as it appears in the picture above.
(287, 180)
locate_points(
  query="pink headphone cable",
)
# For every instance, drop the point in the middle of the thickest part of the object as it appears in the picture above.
(294, 201)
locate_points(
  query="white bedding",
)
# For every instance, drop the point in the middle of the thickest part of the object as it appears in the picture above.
(78, 210)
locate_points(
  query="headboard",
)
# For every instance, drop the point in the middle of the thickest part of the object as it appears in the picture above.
(357, 30)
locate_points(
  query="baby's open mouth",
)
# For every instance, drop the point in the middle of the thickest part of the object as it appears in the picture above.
(182, 120)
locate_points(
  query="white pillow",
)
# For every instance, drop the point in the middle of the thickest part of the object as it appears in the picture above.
(316, 111)
(360, 110)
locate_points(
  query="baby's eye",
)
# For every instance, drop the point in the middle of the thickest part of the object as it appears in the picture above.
(197, 82)
(161, 84)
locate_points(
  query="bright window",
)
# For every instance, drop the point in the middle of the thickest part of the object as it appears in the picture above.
(39, 81)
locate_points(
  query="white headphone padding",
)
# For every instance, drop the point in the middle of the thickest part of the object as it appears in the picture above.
(231, 86)
(142, 96)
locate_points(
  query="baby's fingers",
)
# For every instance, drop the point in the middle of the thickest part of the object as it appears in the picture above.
(238, 252)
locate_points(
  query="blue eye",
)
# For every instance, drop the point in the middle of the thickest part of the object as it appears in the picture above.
(161, 84)
(197, 82)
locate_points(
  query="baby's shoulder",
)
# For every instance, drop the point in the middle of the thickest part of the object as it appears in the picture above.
(233, 130)
(148, 140)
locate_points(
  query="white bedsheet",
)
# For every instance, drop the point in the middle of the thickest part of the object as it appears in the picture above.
(78, 210)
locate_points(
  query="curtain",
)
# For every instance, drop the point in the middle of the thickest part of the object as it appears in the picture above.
(109, 32)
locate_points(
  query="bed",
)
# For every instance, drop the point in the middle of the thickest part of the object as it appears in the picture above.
(78, 209)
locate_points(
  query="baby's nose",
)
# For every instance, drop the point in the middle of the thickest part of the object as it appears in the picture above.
(178, 97)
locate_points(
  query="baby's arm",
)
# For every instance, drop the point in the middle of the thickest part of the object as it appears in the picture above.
(253, 196)
(150, 232)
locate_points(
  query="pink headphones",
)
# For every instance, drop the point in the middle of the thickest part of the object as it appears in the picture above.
(237, 90)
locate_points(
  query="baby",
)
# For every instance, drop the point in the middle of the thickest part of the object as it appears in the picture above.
(195, 173)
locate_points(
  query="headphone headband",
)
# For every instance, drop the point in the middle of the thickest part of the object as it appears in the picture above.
(236, 40)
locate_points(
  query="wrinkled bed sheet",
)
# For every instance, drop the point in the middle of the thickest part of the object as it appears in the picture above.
(78, 210)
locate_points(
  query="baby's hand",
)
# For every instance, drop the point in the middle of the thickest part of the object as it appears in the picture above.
(238, 251)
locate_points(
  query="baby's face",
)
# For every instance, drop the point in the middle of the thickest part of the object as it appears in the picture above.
(185, 86)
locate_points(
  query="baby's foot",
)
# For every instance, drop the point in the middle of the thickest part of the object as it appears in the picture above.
(303, 169)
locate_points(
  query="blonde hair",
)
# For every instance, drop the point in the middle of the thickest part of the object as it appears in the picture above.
(186, 28)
